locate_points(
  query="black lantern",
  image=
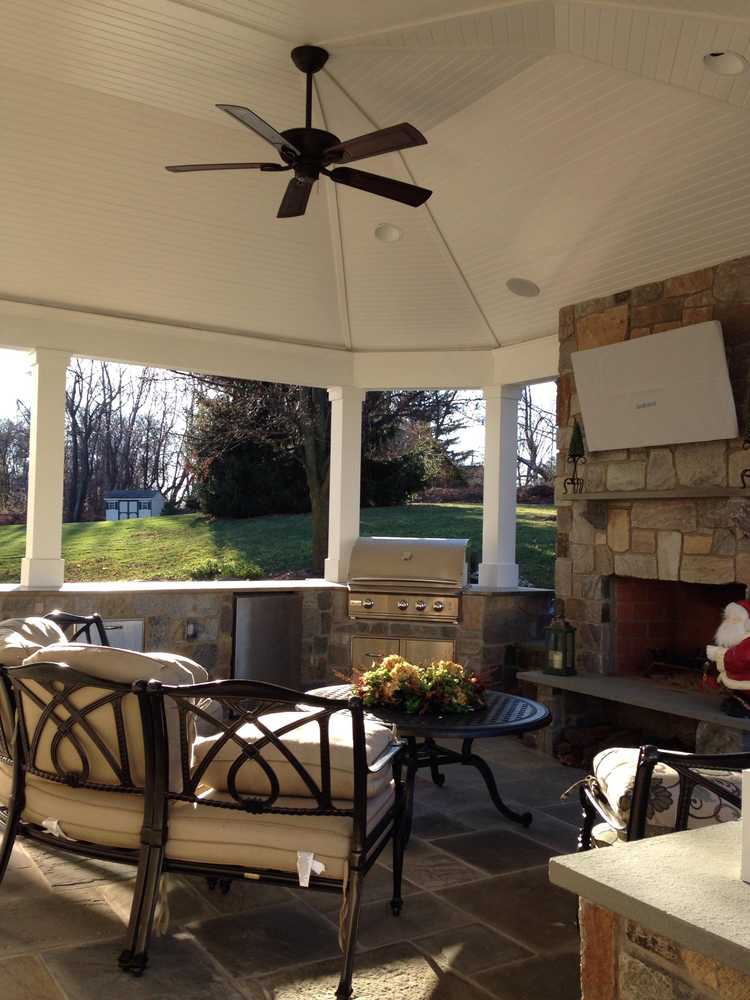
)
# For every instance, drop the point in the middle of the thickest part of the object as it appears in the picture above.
(561, 645)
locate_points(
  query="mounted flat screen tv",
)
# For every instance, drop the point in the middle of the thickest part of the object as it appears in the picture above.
(668, 388)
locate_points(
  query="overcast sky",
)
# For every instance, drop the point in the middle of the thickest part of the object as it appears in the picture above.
(15, 384)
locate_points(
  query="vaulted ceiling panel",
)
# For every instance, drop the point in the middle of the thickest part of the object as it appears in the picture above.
(581, 144)
(92, 219)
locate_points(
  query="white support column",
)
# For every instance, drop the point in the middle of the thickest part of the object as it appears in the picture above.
(498, 567)
(345, 470)
(44, 565)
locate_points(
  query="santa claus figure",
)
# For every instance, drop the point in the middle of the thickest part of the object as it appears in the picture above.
(731, 651)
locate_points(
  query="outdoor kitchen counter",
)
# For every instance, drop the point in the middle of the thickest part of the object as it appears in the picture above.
(685, 887)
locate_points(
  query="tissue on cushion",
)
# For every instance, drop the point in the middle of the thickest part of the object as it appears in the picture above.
(304, 743)
(20, 637)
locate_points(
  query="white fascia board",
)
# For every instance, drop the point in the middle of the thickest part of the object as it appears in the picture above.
(139, 342)
(422, 369)
(523, 364)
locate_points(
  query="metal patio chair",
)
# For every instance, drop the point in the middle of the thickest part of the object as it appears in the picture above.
(276, 777)
(636, 793)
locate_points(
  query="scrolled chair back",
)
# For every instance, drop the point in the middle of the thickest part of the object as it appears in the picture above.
(78, 730)
(271, 749)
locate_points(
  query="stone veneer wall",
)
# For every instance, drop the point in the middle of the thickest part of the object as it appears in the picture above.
(694, 540)
(621, 960)
(491, 621)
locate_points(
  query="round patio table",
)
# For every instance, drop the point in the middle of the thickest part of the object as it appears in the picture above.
(504, 715)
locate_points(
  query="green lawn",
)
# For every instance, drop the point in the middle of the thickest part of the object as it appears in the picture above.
(168, 548)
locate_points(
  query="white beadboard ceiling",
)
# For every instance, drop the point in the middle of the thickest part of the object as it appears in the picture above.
(581, 145)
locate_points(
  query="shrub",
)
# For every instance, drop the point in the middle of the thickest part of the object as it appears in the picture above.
(224, 568)
(253, 480)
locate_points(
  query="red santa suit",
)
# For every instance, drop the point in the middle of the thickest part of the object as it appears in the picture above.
(731, 652)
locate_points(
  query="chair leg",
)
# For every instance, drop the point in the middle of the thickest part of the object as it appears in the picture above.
(399, 847)
(354, 893)
(134, 958)
(10, 829)
(587, 823)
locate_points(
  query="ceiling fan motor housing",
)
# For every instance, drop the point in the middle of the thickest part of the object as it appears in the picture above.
(312, 143)
(309, 58)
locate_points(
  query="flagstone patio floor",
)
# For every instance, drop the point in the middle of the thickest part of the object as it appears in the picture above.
(480, 919)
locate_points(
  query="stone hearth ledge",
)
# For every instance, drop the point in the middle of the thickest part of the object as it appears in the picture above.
(684, 886)
(702, 706)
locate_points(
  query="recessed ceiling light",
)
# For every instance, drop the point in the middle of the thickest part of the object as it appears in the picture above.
(388, 233)
(725, 63)
(522, 286)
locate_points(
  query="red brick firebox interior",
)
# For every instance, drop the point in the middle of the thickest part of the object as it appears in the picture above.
(660, 614)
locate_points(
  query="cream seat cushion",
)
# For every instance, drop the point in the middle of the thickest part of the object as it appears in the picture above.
(199, 833)
(615, 769)
(20, 637)
(303, 742)
(122, 666)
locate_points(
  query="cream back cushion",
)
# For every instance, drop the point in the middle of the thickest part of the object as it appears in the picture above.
(20, 637)
(303, 742)
(122, 666)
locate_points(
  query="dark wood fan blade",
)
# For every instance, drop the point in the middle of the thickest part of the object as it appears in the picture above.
(261, 128)
(386, 187)
(295, 199)
(385, 140)
(182, 168)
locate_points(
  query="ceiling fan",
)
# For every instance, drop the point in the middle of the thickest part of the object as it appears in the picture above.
(310, 152)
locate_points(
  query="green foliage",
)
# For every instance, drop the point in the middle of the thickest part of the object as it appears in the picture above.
(390, 482)
(213, 568)
(251, 480)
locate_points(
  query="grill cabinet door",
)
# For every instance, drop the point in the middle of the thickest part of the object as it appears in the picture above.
(366, 648)
(423, 651)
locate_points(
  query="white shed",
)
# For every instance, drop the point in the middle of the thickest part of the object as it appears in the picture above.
(120, 505)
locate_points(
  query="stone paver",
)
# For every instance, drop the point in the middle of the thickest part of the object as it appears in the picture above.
(395, 972)
(480, 919)
(179, 970)
(523, 905)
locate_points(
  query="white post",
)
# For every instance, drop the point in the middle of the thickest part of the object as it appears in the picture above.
(44, 565)
(498, 567)
(345, 470)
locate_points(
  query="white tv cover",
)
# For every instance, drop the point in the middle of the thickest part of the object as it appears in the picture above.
(667, 388)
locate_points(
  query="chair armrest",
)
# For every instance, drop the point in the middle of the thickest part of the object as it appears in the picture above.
(590, 790)
(387, 757)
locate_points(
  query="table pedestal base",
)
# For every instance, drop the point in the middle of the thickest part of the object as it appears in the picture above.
(429, 754)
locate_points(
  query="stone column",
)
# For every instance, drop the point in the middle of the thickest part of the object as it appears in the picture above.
(44, 565)
(345, 470)
(498, 567)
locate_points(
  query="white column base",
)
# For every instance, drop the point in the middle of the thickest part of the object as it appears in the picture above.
(42, 573)
(498, 575)
(335, 570)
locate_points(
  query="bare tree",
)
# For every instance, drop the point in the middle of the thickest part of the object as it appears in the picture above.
(537, 436)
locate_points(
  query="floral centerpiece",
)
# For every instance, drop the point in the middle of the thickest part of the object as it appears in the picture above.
(440, 688)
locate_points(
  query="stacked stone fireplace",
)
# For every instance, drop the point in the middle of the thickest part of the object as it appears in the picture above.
(658, 542)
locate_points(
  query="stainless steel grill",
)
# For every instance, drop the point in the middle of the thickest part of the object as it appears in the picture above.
(416, 579)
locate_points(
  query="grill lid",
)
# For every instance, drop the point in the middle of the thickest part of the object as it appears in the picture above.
(434, 561)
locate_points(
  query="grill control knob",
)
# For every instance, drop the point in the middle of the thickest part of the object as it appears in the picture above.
(368, 603)
(438, 606)
(420, 605)
(402, 605)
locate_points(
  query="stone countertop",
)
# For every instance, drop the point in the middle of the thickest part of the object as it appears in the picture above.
(138, 586)
(135, 586)
(685, 886)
